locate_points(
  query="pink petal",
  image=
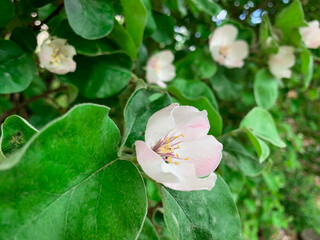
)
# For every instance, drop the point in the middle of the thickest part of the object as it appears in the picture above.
(153, 165)
(205, 153)
(160, 124)
(188, 181)
(191, 122)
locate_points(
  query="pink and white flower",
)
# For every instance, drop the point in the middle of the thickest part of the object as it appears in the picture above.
(280, 63)
(160, 68)
(225, 49)
(55, 54)
(177, 151)
(311, 34)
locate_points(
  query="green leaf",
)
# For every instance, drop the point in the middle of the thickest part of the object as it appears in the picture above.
(261, 124)
(262, 149)
(306, 67)
(16, 68)
(148, 231)
(15, 132)
(201, 103)
(265, 89)
(67, 184)
(102, 76)
(122, 38)
(84, 46)
(197, 65)
(151, 24)
(137, 112)
(90, 19)
(207, 6)
(202, 214)
(164, 31)
(135, 15)
(267, 38)
(6, 12)
(25, 38)
(40, 3)
(195, 89)
(225, 89)
(237, 157)
(291, 16)
(5, 104)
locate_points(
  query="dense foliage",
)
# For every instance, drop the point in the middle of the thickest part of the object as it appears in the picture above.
(78, 86)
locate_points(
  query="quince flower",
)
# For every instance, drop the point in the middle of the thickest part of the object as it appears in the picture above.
(225, 49)
(55, 54)
(311, 34)
(160, 68)
(280, 63)
(177, 151)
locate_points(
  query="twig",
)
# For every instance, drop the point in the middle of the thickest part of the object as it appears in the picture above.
(28, 101)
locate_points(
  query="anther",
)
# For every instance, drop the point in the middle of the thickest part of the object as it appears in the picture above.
(186, 158)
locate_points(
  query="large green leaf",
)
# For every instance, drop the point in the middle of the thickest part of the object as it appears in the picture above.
(25, 38)
(90, 19)
(135, 15)
(202, 103)
(151, 24)
(306, 67)
(15, 132)
(137, 112)
(148, 231)
(68, 185)
(102, 76)
(84, 46)
(265, 89)
(262, 125)
(291, 16)
(202, 214)
(16, 68)
(6, 12)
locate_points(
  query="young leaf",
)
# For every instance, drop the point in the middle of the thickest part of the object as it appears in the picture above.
(90, 19)
(261, 124)
(15, 132)
(202, 214)
(306, 67)
(207, 6)
(17, 68)
(67, 183)
(102, 76)
(265, 89)
(224, 88)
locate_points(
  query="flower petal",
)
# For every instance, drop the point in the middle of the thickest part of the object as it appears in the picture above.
(160, 124)
(191, 122)
(188, 181)
(151, 75)
(223, 36)
(167, 73)
(153, 165)
(238, 50)
(280, 63)
(205, 153)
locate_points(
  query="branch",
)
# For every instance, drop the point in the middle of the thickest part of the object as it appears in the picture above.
(28, 101)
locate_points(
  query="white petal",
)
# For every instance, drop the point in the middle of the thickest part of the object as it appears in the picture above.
(280, 63)
(43, 35)
(153, 165)
(191, 122)
(160, 124)
(164, 57)
(223, 36)
(151, 75)
(188, 181)
(238, 50)
(70, 51)
(167, 73)
(205, 153)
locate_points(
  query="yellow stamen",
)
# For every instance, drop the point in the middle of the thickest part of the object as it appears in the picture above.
(186, 158)
(177, 155)
(170, 159)
(178, 146)
(182, 135)
(176, 163)
(168, 140)
(175, 137)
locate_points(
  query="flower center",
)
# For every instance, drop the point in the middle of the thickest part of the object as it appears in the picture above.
(223, 50)
(166, 147)
(57, 57)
